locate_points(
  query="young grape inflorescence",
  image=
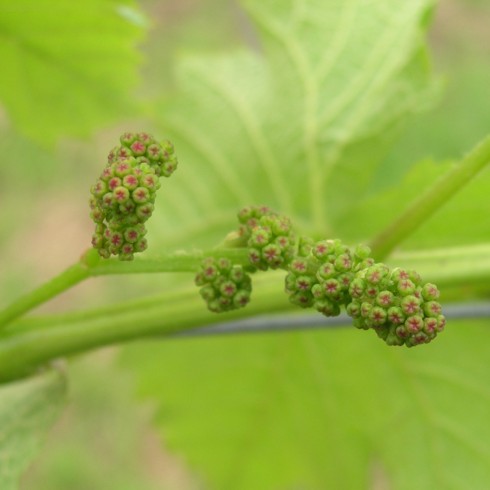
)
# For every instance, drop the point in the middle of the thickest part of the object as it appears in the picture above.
(123, 197)
(325, 275)
(328, 276)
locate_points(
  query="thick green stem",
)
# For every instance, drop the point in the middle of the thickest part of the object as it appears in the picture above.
(91, 266)
(27, 350)
(67, 279)
(431, 200)
(32, 342)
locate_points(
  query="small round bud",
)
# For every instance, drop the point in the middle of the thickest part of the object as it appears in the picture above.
(131, 235)
(122, 168)
(154, 152)
(323, 249)
(228, 289)
(385, 299)
(410, 305)
(377, 316)
(120, 194)
(100, 188)
(430, 292)
(141, 245)
(144, 211)
(303, 283)
(138, 148)
(241, 298)
(127, 138)
(353, 309)
(114, 182)
(141, 195)
(224, 286)
(357, 287)
(259, 238)
(331, 288)
(406, 287)
(326, 271)
(130, 182)
(343, 262)
(432, 309)
(396, 315)
(362, 252)
(327, 308)
(395, 304)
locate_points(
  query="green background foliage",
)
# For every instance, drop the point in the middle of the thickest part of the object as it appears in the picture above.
(315, 108)
(27, 410)
(69, 64)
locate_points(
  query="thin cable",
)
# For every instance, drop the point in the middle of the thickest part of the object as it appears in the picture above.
(291, 322)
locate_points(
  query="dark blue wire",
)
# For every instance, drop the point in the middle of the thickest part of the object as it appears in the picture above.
(288, 322)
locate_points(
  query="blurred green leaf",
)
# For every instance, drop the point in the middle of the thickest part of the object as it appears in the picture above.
(332, 409)
(68, 66)
(103, 422)
(27, 410)
(298, 123)
(463, 220)
(302, 124)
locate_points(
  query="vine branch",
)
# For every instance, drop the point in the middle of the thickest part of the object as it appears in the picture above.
(90, 265)
(431, 200)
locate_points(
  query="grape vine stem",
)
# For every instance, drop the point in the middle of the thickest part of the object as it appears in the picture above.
(431, 200)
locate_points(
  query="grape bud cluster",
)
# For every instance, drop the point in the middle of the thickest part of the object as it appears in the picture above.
(320, 275)
(269, 237)
(123, 197)
(396, 304)
(224, 286)
(325, 275)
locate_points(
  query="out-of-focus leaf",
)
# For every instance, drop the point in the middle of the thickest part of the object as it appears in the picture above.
(67, 66)
(333, 409)
(103, 423)
(463, 220)
(27, 410)
(298, 124)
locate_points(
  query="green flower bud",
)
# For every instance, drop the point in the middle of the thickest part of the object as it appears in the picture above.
(141, 195)
(405, 287)
(377, 316)
(224, 286)
(331, 288)
(303, 283)
(430, 292)
(353, 309)
(410, 305)
(385, 299)
(396, 305)
(144, 211)
(130, 182)
(241, 298)
(327, 308)
(120, 194)
(124, 195)
(432, 309)
(131, 235)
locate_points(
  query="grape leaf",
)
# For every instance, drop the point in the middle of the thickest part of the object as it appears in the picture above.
(330, 409)
(298, 124)
(463, 220)
(102, 422)
(27, 410)
(68, 66)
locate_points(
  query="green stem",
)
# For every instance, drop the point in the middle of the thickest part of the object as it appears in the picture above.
(23, 353)
(32, 342)
(67, 279)
(431, 200)
(91, 266)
